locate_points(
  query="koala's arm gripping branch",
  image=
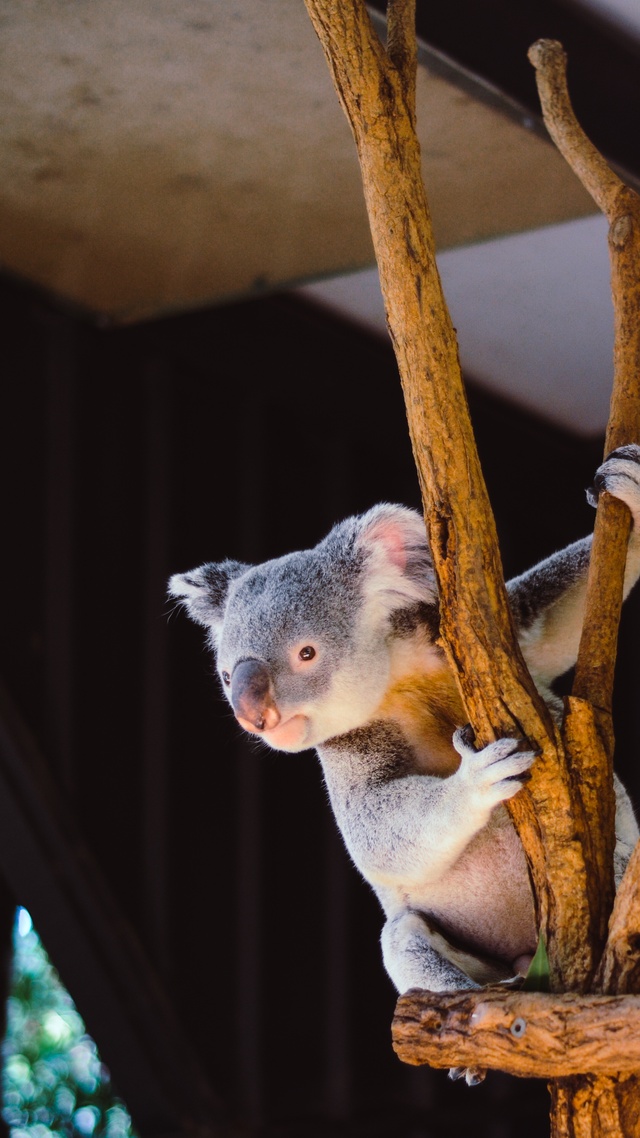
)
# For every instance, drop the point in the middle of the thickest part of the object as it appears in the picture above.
(621, 206)
(376, 93)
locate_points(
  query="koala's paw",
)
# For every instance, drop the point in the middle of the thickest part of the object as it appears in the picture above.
(494, 773)
(620, 476)
(471, 1075)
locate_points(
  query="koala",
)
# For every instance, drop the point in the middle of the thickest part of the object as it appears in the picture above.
(337, 648)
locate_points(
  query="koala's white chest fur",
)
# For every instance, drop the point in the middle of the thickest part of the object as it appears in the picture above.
(475, 889)
(484, 899)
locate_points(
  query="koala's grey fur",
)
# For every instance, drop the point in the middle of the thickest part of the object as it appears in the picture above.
(335, 648)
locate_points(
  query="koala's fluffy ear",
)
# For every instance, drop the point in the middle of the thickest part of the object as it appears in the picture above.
(399, 568)
(203, 591)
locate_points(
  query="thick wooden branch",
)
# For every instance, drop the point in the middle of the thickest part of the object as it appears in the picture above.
(457, 509)
(531, 1034)
(477, 629)
(620, 966)
(588, 745)
(595, 1106)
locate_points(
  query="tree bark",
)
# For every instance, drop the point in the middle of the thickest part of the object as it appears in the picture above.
(620, 966)
(529, 1034)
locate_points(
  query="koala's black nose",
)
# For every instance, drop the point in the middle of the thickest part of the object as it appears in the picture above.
(252, 696)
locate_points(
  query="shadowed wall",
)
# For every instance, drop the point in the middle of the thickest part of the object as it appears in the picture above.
(245, 431)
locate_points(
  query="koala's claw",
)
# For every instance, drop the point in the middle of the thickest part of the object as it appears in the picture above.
(522, 776)
(471, 1075)
(466, 735)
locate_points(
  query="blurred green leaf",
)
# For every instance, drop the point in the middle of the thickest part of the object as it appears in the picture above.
(538, 976)
(54, 1083)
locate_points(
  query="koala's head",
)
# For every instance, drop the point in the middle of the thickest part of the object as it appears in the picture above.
(302, 642)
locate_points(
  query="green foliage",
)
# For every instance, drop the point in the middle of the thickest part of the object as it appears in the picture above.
(53, 1082)
(538, 976)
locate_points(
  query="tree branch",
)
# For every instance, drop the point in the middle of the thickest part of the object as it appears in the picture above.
(589, 746)
(550, 61)
(620, 966)
(477, 628)
(530, 1034)
(621, 206)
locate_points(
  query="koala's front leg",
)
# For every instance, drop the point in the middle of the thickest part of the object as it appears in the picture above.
(484, 779)
(494, 773)
(414, 829)
(620, 476)
(548, 600)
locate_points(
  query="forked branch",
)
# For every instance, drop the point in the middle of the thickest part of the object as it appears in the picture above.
(477, 629)
(596, 658)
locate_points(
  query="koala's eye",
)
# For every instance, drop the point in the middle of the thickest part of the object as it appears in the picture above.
(306, 653)
(226, 678)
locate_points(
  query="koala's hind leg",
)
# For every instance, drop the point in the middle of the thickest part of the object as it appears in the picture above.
(413, 952)
(626, 830)
(417, 955)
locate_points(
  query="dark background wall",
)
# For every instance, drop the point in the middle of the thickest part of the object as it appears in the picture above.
(246, 431)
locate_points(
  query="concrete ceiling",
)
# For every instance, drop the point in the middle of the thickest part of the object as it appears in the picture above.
(174, 153)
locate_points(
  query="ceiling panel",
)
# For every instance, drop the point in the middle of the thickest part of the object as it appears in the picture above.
(173, 153)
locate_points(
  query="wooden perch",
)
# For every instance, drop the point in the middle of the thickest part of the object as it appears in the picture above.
(530, 1034)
